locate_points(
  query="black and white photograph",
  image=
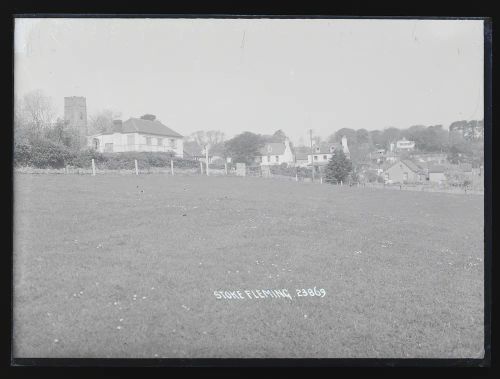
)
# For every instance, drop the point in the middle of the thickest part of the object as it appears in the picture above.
(249, 187)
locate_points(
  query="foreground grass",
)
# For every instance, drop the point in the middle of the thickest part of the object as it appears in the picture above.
(126, 266)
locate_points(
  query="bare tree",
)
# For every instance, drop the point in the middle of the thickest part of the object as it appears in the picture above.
(211, 137)
(34, 113)
(102, 121)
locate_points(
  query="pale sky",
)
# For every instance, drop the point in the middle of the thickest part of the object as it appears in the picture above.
(259, 75)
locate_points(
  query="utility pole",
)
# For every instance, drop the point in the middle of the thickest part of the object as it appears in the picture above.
(312, 152)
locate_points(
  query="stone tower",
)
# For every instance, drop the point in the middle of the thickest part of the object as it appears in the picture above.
(75, 114)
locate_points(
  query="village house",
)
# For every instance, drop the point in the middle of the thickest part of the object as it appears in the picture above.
(436, 174)
(405, 145)
(138, 134)
(432, 158)
(404, 171)
(276, 153)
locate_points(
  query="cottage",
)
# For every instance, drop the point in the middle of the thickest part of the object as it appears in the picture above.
(276, 153)
(405, 145)
(138, 134)
(323, 153)
(436, 174)
(404, 171)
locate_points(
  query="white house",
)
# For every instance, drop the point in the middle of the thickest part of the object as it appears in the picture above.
(138, 134)
(324, 152)
(405, 145)
(276, 153)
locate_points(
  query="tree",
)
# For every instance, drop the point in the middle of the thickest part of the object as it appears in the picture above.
(349, 133)
(102, 121)
(210, 137)
(278, 136)
(362, 136)
(338, 168)
(60, 133)
(34, 113)
(390, 135)
(244, 147)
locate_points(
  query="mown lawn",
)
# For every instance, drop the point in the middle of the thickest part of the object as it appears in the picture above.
(127, 266)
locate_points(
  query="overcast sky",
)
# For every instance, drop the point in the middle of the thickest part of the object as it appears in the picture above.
(259, 75)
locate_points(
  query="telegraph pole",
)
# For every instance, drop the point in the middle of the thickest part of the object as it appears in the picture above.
(312, 152)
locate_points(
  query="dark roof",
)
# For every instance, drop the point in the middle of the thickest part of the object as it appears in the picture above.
(324, 148)
(411, 165)
(301, 156)
(273, 148)
(466, 167)
(139, 125)
(436, 169)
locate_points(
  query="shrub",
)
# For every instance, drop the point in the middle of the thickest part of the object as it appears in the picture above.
(83, 159)
(42, 154)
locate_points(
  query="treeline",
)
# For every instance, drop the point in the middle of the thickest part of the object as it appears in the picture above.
(462, 141)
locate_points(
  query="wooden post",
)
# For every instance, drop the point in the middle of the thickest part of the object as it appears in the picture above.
(201, 167)
(206, 158)
(312, 154)
(93, 168)
(136, 168)
(341, 183)
(172, 167)
(321, 180)
(296, 177)
(225, 167)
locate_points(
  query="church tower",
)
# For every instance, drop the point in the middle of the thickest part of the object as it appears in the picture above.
(75, 114)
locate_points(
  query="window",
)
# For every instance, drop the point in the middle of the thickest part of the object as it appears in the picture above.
(148, 140)
(108, 147)
(405, 176)
(325, 157)
(131, 139)
(81, 116)
(386, 175)
(159, 141)
(268, 158)
(172, 143)
(315, 157)
(277, 158)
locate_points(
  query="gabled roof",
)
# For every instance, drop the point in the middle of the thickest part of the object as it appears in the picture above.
(411, 165)
(273, 148)
(466, 167)
(139, 125)
(301, 156)
(436, 169)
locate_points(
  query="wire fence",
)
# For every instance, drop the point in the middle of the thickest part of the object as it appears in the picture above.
(252, 171)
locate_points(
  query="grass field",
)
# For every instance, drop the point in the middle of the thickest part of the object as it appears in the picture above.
(127, 266)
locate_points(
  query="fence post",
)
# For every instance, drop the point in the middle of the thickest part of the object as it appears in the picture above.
(296, 177)
(341, 183)
(225, 167)
(321, 180)
(93, 168)
(201, 167)
(172, 166)
(136, 168)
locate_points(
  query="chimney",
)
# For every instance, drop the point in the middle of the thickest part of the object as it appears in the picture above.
(117, 126)
(149, 117)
